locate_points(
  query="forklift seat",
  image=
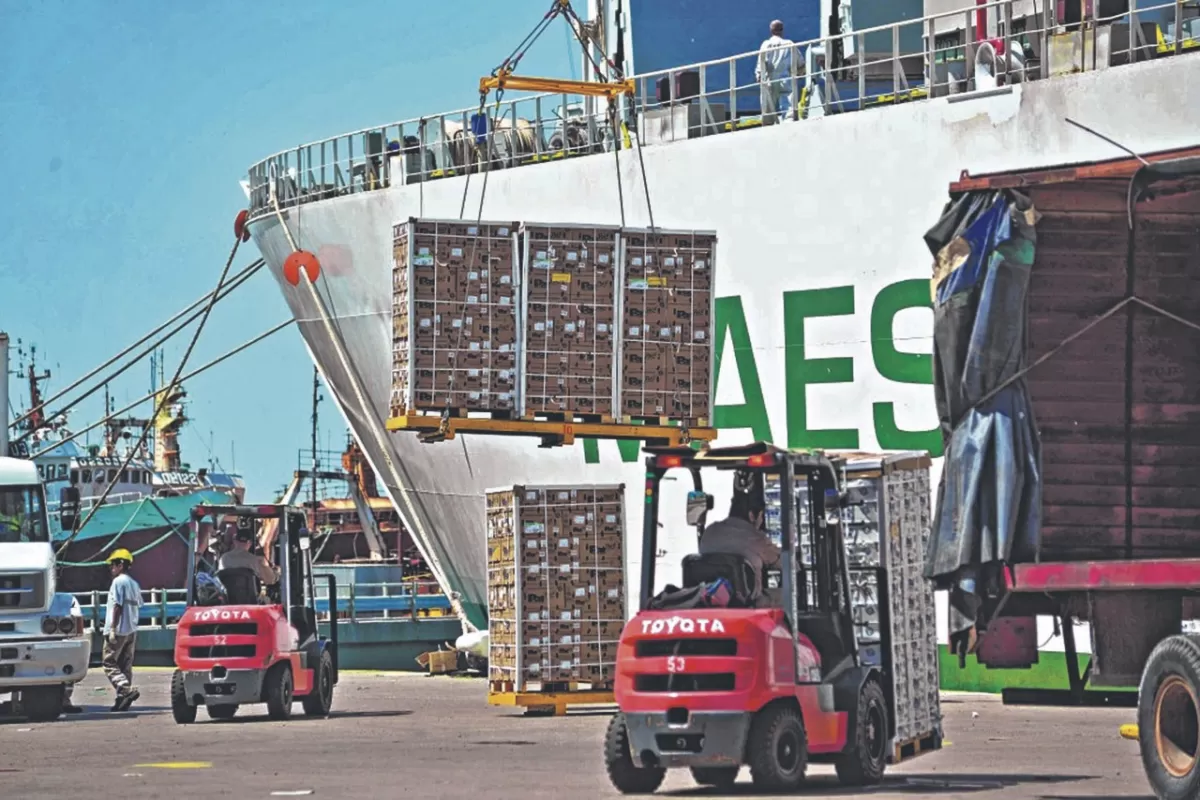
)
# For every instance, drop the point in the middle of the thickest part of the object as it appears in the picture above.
(241, 585)
(701, 568)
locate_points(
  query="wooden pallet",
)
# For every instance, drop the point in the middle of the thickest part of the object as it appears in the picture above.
(438, 428)
(570, 416)
(552, 700)
(919, 745)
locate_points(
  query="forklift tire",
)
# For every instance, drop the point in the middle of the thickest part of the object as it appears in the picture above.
(722, 778)
(277, 691)
(225, 711)
(318, 702)
(626, 777)
(1169, 718)
(42, 703)
(777, 749)
(183, 711)
(863, 762)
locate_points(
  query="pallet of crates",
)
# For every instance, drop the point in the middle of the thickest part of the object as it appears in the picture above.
(886, 493)
(556, 595)
(518, 329)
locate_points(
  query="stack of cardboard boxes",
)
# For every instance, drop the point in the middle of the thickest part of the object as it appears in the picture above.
(556, 584)
(572, 320)
(454, 316)
(569, 307)
(667, 325)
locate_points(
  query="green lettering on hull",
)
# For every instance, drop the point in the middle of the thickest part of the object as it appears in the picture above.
(800, 371)
(900, 366)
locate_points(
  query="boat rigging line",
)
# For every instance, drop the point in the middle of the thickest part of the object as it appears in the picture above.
(234, 282)
(166, 394)
(227, 355)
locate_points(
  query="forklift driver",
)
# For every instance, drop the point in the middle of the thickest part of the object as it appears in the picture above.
(241, 556)
(741, 533)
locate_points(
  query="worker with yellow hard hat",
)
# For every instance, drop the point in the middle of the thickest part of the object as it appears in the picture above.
(120, 628)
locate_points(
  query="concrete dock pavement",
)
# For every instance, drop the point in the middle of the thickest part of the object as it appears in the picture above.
(406, 735)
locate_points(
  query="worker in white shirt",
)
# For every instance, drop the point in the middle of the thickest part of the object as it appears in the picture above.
(774, 75)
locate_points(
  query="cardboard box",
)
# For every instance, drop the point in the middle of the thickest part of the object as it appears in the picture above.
(549, 596)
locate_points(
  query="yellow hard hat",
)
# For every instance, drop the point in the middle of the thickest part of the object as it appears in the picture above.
(121, 554)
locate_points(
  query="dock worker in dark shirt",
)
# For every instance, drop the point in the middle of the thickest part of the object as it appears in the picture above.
(742, 533)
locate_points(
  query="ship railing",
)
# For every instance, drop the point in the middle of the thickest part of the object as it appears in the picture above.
(912, 60)
(53, 507)
(355, 602)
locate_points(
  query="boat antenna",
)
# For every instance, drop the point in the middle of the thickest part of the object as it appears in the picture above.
(316, 398)
(1102, 137)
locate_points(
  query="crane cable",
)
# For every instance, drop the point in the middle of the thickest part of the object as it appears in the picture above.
(234, 282)
(509, 64)
(166, 393)
(368, 410)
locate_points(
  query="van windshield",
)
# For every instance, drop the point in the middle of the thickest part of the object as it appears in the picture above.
(22, 515)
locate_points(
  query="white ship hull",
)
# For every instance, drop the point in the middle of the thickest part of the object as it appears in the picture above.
(820, 219)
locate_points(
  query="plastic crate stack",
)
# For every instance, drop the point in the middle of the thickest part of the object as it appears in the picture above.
(884, 493)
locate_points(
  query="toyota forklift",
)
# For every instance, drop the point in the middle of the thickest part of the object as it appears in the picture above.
(239, 642)
(713, 689)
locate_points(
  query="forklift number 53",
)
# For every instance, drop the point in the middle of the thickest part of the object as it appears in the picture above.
(676, 664)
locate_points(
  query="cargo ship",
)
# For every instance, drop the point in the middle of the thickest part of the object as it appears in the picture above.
(823, 317)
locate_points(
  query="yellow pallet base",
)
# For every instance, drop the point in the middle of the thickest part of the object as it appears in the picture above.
(550, 703)
(431, 428)
(917, 746)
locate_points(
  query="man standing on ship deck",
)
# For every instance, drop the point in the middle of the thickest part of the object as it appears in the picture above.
(120, 629)
(774, 73)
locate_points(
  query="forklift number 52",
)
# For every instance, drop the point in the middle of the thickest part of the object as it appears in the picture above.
(676, 664)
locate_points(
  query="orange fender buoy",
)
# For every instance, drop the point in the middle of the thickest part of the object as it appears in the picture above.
(301, 260)
(240, 229)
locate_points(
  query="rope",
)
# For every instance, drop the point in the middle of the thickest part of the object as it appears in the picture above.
(369, 410)
(150, 396)
(645, 182)
(234, 283)
(212, 301)
(132, 517)
(138, 552)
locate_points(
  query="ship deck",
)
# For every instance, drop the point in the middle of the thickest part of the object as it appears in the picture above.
(552, 127)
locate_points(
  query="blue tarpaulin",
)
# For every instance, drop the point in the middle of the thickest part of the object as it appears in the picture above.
(989, 499)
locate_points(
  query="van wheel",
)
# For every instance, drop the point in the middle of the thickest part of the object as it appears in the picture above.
(183, 711)
(722, 778)
(626, 777)
(225, 711)
(42, 703)
(778, 749)
(1169, 718)
(277, 691)
(318, 702)
(864, 761)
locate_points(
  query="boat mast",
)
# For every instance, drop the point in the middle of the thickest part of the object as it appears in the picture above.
(3, 394)
(316, 398)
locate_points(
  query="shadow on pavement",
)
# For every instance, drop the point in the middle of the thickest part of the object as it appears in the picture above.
(919, 785)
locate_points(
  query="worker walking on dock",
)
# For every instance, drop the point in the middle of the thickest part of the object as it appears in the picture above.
(120, 629)
(774, 72)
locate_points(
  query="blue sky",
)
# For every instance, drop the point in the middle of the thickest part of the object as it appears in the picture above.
(126, 126)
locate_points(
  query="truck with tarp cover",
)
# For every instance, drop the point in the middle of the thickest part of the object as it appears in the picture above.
(1067, 380)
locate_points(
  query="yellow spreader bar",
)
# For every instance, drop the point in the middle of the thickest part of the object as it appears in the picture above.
(1129, 732)
(433, 428)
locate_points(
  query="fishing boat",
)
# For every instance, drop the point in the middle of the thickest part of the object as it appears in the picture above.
(148, 507)
(823, 321)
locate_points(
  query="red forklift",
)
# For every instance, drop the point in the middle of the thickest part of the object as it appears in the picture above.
(233, 646)
(713, 689)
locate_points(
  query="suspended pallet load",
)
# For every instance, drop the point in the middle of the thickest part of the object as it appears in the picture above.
(556, 595)
(555, 331)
